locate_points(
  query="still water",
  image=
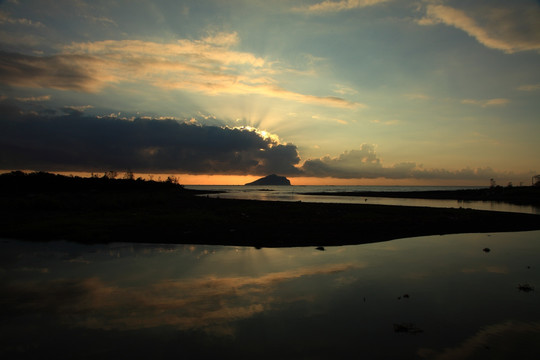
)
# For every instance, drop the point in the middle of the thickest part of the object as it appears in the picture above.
(299, 193)
(435, 297)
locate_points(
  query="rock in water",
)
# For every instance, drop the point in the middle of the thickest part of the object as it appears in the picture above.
(271, 180)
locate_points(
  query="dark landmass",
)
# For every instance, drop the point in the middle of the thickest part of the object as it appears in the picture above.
(271, 180)
(521, 195)
(43, 207)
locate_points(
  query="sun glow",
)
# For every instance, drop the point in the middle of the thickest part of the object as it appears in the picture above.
(262, 133)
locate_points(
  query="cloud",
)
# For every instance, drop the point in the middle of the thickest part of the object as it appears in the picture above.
(417, 96)
(64, 72)
(209, 66)
(529, 87)
(6, 19)
(73, 142)
(344, 90)
(387, 122)
(76, 110)
(364, 163)
(100, 20)
(486, 103)
(34, 98)
(328, 6)
(510, 28)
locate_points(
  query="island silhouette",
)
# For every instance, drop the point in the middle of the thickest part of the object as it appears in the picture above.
(271, 180)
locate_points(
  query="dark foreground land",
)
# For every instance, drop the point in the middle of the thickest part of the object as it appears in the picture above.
(41, 206)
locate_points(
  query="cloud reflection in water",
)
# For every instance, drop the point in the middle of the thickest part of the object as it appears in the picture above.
(200, 303)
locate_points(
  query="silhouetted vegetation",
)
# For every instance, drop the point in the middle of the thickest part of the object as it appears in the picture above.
(43, 182)
(42, 206)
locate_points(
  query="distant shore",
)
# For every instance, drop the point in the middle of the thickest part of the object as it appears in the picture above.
(100, 210)
(521, 195)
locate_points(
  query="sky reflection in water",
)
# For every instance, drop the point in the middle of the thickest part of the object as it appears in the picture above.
(448, 297)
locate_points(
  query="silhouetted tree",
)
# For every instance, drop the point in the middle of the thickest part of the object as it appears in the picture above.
(129, 175)
(111, 174)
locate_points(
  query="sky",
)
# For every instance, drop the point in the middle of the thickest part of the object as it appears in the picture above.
(323, 92)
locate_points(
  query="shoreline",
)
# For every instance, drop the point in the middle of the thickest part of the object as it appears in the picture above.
(105, 210)
(200, 220)
(519, 195)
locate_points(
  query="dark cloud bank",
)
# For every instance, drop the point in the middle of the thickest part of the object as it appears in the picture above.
(80, 143)
(74, 142)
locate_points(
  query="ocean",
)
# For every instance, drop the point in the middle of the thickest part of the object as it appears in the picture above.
(297, 193)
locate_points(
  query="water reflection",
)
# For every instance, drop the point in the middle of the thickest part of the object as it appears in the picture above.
(520, 337)
(207, 303)
(430, 297)
(295, 197)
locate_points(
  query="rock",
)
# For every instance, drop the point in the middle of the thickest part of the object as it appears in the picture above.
(271, 180)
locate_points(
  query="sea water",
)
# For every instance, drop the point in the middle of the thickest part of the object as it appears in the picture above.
(300, 193)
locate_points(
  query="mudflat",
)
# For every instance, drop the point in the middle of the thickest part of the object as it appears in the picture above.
(43, 207)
